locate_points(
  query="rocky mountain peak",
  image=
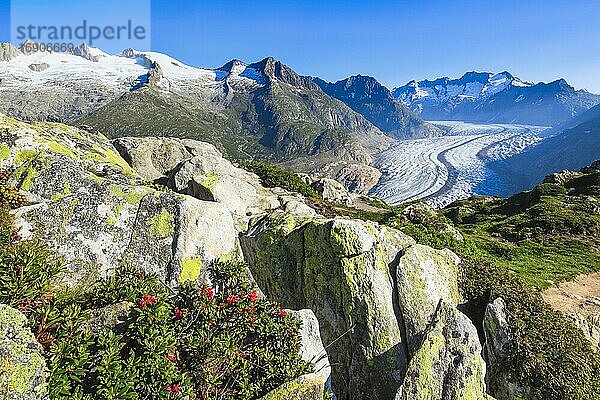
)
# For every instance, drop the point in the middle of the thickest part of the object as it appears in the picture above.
(474, 76)
(89, 53)
(232, 65)
(494, 97)
(8, 51)
(561, 84)
(276, 70)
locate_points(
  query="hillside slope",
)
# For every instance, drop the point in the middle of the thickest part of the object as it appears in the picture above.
(375, 102)
(572, 148)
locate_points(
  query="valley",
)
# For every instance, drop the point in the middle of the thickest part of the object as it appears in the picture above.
(441, 170)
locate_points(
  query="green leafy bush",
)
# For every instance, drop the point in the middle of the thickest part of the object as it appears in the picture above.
(194, 343)
(26, 272)
(548, 353)
(273, 176)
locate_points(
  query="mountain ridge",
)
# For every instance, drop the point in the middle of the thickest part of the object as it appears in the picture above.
(495, 98)
(261, 110)
(365, 95)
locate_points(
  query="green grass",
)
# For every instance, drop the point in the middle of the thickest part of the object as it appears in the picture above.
(546, 235)
(539, 264)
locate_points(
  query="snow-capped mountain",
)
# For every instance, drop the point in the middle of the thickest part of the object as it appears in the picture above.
(365, 95)
(261, 110)
(500, 98)
(471, 86)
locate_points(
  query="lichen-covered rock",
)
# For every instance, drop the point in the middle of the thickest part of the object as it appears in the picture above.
(343, 270)
(424, 277)
(154, 158)
(305, 387)
(199, 170)
(332, 190)
(92, 208)
(497, 347)
(447, 364)
(213, 178)
(23, 370)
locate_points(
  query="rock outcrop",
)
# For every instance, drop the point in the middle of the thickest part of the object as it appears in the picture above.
(351, 267)
(424, 278)
(39, 67)
(8, 51)
(90, 206)
(199, 170)
(23, 370)
(447, 364)
(375, 293)
(497, 347)
(332, 190)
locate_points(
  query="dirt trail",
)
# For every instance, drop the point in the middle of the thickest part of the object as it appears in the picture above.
(581, 295)
(580, 301)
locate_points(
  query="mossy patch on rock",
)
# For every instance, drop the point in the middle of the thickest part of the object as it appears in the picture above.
(306, 387)
(161, 225)
(4, 151)
(132, 195)
(191, 267)
(447, 365)
(22, 367)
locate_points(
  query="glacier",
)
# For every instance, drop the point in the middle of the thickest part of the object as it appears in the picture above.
(445, 169)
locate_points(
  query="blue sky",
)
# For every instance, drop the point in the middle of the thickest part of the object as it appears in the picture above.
(394, 41)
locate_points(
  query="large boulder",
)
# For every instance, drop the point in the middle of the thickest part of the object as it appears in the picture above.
(448, 364)
(23, 370)
(425, 276)
(344, 271)
(332, 190)
(91, 207)
(154, 158)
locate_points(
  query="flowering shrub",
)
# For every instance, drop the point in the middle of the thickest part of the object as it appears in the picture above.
(197, 343)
